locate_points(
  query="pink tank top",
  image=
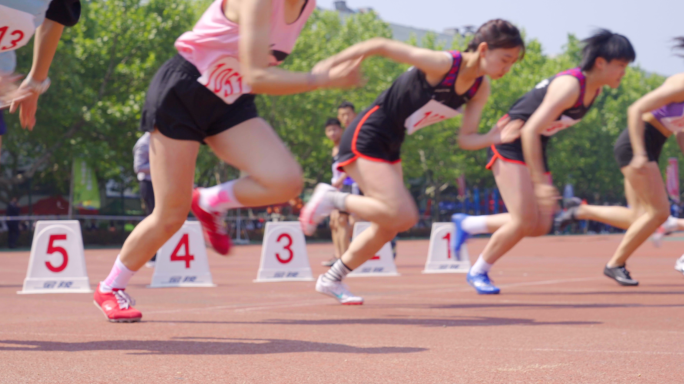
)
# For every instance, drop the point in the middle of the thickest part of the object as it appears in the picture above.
(212, 46)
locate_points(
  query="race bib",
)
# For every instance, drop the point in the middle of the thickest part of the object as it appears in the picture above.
(674, 124)
(559, 125)
(224, 79)
(16, 28)
(431, 113)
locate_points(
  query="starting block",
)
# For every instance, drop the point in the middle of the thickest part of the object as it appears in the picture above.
(283, 254)
(440, 255)
(182, 261)
(381, 264)
(57, 261)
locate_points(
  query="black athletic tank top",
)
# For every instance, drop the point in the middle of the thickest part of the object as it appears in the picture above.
(526, 105)
(413, 103)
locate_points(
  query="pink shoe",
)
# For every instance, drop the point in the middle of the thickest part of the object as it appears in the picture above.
(213, 225)
(117, 306)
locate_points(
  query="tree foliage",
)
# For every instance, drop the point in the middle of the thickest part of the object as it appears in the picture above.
(105, 64)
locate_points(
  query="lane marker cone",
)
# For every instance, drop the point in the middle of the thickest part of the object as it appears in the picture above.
(441, 258)
(182, 261)
(283, 254)
(381, 264)
(57, 261)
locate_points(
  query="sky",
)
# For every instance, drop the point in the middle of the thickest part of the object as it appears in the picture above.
(650, 25)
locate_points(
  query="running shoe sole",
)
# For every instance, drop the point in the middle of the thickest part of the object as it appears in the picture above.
(338, 300)
(131, 320)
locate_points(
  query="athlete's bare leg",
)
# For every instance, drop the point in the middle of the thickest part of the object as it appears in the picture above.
(252, 146)
(386, 204)
(172, 166)
(344, 231)
(525, 219)
(274, 175)
(616, 216)
(496, 221)
(647, 185)
(334, 233)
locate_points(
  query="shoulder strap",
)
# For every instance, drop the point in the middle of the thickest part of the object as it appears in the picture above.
(450, 78)
(577, 73)
(473, 90)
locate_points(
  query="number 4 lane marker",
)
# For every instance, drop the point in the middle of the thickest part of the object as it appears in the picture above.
(57, 261)
(182, 261)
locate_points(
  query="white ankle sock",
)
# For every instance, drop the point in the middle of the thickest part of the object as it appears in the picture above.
(219, 198)
(670, 224)
(475, 225)
(480, 266)
(118, 277)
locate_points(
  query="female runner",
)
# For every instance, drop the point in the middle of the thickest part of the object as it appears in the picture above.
(434, 89)
(205, 94)
(651, 120)
(520, 168)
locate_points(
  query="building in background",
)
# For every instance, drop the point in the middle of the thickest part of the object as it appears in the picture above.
(404, 33)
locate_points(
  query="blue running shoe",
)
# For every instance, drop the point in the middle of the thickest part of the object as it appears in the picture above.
(482, 284)
(460, 236)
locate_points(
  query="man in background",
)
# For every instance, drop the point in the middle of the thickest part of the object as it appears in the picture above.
(12, 225)
(141, 166)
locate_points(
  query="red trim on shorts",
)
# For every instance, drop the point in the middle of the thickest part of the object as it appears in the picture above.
(354, 139)
(340, 166)
(497, 155)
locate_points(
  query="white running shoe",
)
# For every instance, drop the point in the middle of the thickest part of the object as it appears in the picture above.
(318, 208)
(338, 290)
(679, 265)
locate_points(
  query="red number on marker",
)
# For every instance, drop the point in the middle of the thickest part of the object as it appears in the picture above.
(447, 237)
(184, 242)
(287, 248)
(52, 249)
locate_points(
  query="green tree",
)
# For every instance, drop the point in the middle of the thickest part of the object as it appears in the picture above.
(100, 76)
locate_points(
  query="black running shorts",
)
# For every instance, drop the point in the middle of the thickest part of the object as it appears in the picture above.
(183, 109)
(653, 138)
(371, 136)
(513, 153)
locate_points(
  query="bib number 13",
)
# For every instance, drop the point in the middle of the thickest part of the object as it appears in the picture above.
(16, 28)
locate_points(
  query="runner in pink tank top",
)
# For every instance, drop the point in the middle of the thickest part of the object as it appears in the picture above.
(205, 95)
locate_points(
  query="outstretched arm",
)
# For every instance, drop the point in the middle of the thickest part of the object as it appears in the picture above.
(255, 29)
(435, 64)
(671, 91)
(45, 45)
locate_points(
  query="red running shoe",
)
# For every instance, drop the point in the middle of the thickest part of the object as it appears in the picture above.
(213, 225)
(117, 306)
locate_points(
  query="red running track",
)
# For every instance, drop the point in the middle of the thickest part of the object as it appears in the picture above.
(558, 320)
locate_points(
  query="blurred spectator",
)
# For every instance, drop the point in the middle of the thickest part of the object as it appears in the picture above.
(12, 225)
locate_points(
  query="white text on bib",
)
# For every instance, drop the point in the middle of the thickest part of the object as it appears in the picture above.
(674, 124)
(431, 113)
(224, 79)
(559, 125)
(16, 28)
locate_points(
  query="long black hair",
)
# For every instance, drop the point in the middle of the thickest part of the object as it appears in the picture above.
(606, 44)
(497, 33)
(679, 44)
